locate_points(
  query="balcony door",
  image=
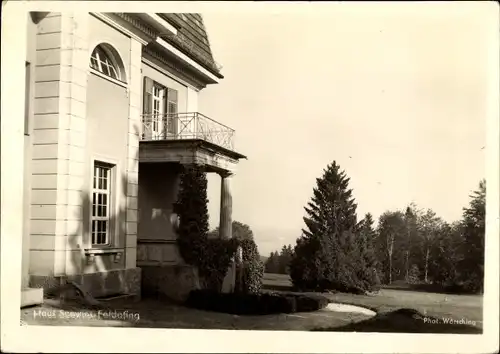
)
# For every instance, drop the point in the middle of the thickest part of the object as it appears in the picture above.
(158, 119)
(159, 111)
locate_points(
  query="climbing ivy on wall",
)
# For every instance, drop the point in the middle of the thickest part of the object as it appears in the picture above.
(211, 257)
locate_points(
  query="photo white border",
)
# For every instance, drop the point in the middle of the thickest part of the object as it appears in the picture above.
(97, 339)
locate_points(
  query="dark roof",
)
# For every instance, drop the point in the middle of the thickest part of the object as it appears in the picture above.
(191, 39)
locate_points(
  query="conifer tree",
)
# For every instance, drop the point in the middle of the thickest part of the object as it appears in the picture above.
(366, 237)
(472, 266)
(193, 214)
(327, 255)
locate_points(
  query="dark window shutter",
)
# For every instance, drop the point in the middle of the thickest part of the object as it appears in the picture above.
(148, 96)
(171, 110)
(147, 105)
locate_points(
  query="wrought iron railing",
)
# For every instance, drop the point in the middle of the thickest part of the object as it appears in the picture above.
(186, 126)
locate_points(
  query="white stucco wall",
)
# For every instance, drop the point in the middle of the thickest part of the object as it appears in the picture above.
(14, 51)
(78, 117)
(58, 139)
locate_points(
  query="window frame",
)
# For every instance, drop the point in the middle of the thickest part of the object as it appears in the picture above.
(113, 60)
(158, 115)
(111, 227)
(106, 60)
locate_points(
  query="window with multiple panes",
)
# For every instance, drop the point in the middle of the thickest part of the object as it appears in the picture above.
(159, 108)
(101, 61)
(101, 204)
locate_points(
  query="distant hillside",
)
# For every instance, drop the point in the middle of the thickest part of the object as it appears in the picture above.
(263, 259)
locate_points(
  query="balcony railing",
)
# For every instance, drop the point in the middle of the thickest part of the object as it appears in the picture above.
(186, 126)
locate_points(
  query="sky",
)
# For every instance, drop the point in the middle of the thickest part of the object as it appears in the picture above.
(395, 95)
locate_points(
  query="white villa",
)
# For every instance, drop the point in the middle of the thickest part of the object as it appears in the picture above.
(111, 115)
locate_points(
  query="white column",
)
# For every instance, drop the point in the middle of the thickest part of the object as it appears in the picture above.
(226, 207)
(225, 226)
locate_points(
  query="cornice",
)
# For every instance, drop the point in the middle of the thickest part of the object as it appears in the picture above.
(122, 26)
(177, 69)
(138, 24)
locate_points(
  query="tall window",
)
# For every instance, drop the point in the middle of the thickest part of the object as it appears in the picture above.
(101, 61)
(101, 203)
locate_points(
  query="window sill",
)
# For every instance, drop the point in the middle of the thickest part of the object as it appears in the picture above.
(93, 251)
(109, 78)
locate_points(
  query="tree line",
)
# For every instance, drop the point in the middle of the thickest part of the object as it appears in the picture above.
(279, 262)
(412, 245)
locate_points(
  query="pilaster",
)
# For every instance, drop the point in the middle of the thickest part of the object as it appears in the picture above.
(59, 143)
(134, 133)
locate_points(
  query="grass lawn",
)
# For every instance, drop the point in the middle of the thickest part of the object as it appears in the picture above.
(158, 314)
(468, 308)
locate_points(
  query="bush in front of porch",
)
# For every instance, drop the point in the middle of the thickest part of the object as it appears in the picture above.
(212, 257)
(255, 303)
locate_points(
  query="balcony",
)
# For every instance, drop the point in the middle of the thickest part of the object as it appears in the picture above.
(187, 138)
(179, 126)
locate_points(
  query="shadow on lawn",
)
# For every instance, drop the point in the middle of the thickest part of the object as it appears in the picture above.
(405, 321)
(430, 288)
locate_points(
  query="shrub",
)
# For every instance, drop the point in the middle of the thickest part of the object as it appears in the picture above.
(414, 274)
(211, 257)
(216, 257)
(255, 304)
(252, 268)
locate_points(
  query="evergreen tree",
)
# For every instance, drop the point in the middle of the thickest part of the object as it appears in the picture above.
(211, 257)
(192, 209)
(327, 255)
(366, 237)
(272, 263)
(472, 266)
(446, 254)
(284, 260)
(411, 215)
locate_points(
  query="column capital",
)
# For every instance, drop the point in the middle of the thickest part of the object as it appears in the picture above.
(225, 174)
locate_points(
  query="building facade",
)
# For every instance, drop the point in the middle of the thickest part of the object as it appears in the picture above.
(111, 116)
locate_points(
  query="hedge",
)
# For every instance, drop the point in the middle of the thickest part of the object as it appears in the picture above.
(255, 304)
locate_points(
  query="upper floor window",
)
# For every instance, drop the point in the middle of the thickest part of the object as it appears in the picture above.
(159, 109)
(101, 61)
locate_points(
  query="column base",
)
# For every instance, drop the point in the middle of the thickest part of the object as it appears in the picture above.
(229, 282)
(31, 296)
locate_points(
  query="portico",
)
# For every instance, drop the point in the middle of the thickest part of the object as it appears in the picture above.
(160, 167)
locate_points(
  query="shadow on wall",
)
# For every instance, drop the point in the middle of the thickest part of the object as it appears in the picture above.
(90, 273)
